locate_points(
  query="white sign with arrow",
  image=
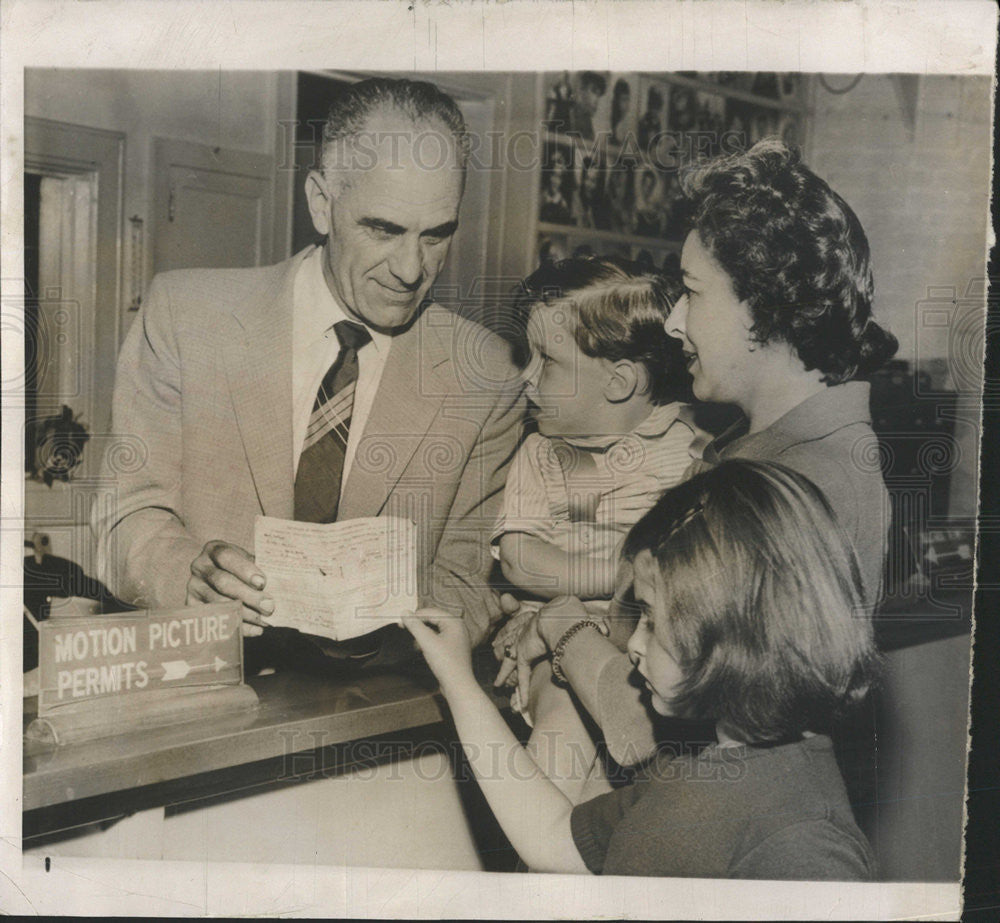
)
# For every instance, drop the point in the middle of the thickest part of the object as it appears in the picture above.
(178, 669)
(83, 658)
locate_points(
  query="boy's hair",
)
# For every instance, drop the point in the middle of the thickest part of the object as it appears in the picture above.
(764, 601)
(618, 309)
(796, 254)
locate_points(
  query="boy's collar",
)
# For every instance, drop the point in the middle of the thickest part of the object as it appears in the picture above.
(660, 419)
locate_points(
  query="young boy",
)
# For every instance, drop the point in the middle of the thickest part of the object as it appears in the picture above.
(607, 385)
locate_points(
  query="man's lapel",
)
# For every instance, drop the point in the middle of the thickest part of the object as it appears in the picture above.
(258, 363)
(408, 399)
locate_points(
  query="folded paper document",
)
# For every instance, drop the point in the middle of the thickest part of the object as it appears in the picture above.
(338, 580)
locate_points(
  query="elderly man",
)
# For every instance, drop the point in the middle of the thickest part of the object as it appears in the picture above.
(325, 388)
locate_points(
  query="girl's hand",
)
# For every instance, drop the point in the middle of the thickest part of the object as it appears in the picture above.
(444, 641)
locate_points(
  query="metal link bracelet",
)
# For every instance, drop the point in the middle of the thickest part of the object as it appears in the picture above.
(567, 636)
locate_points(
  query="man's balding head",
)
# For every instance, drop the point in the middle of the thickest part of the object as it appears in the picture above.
(368, 115)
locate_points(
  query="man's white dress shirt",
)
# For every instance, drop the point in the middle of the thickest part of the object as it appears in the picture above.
(315, 347)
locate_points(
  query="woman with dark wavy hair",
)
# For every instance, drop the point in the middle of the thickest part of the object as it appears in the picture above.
(776, 319)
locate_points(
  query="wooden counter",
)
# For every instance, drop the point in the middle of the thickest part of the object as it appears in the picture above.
(346, 720)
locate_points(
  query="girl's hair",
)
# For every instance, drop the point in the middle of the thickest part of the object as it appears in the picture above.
(618, 311)
(763, 601)
(796, 254)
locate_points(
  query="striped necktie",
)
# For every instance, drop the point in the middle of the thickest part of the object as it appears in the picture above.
(321, 464)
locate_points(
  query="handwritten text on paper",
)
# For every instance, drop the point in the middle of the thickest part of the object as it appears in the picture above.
(338, 580)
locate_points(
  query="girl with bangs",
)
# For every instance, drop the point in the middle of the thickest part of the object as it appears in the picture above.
(751, 616)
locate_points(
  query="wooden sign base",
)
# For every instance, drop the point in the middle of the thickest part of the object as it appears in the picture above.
(107, 717)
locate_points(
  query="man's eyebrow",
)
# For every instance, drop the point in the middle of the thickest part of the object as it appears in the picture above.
(380, 224)
(442, 230)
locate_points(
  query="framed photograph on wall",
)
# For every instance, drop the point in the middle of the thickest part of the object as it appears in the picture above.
(710, 122)
(617, 113)
(619, 198)
(670, 203)
(654, 97)
(736, 80)
(746, 123)
(789, 86)
(558, 102)
(682, 112)
(648, 201)
(573, 101)
(766, 83)
(557, 182)
(589, 89)
(589, 209)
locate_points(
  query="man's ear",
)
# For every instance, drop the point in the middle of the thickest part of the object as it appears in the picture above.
(625, 379)
(319, 198)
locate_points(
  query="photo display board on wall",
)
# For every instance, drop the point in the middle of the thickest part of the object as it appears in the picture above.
(614, 145)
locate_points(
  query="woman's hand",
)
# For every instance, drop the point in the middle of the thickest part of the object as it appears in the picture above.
(505, 642)
(521, 652)
(513, 609)
(446, 645)
(557, 616)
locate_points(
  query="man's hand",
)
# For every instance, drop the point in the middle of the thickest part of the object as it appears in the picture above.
(445, 642)
(223, 571)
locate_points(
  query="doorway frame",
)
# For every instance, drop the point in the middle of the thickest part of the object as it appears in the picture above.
(61, 149)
